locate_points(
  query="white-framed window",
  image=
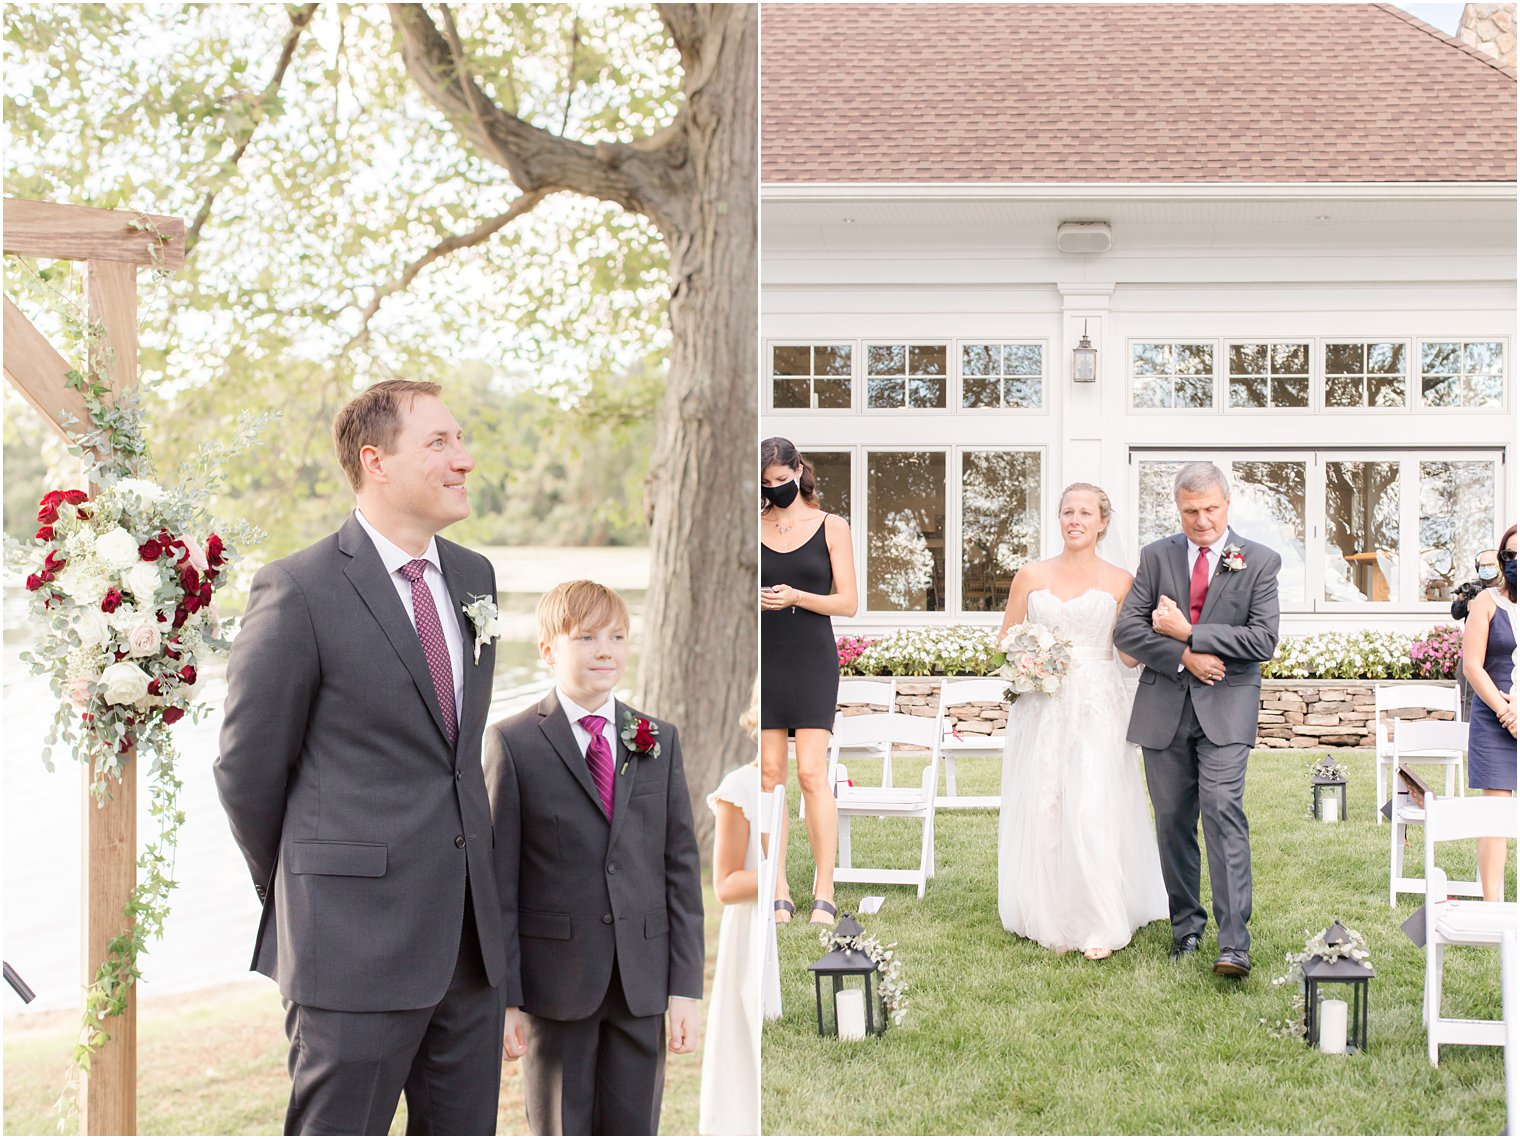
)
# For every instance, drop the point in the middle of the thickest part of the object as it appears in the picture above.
(1001, 519)
(1365, 374)
(833, 479)
(812, 375)
(1271, 374)
(1461, 373)
(1172, 374)
(1366, 530)
(1002, 375)
(905, 529)
(907, 376)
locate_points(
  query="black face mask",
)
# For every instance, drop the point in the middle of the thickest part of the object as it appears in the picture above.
(783, 495)
(1509, 574)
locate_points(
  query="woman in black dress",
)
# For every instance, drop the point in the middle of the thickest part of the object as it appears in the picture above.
(1488, 662)
(807, 575)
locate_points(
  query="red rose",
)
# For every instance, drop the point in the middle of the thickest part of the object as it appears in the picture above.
(149, 551)
(205, 593)
(120, 655)
(51, 498)
(214, 550)
(45, 533)
(171, 648)
(187, 674)
(189, 579)
(87, 717)
(126, 744)
(75, 497)
(643, 737)
(34, 582)
(171, 715)
(181, 615)
(154, 687)
(52, 563)
(111, 600)
(47, 515)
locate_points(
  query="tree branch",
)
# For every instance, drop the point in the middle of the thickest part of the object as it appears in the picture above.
(299, 19)
(476, 236)
(686, 27)
(647, 177)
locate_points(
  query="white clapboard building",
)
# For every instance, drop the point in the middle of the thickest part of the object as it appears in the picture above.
(1286, 231)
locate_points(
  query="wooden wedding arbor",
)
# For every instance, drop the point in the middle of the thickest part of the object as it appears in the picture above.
(114, 245)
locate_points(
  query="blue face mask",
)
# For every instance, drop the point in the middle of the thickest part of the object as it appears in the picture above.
(1488, 573)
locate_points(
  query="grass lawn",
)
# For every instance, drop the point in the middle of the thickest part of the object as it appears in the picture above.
(1003, 1037)
(213, 1063)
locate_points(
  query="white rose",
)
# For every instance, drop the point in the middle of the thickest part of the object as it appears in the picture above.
(117, 549)
(124, 683)
(91, 627)
(143, 639)
(142, 582)
(1050, 684)
(149, 492)
(195, 553)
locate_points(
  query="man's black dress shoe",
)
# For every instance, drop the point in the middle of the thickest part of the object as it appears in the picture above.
(1188, 944)
(1233, 963)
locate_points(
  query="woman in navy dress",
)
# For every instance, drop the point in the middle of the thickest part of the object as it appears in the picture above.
(807, 575)
(1488, 662)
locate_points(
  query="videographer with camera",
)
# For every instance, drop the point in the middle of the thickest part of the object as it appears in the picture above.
(1487, 565)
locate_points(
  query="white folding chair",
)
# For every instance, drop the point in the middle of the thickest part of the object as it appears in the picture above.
(1452, 921)
(875, 691)
(772, 819)
(886, 802)
(1409, 795)
(1402, 697)
(1432, 741)
(955, 692)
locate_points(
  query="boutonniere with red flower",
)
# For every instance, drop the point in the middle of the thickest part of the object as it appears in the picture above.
(641, 737)
(1231, 559)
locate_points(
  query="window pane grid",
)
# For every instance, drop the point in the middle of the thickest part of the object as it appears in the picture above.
(1269, 375)
(1365, 374)
(1004, 375)
(906, 375)
(811, 376)
(1462, 373)
(1172, 374)
(1000, 523)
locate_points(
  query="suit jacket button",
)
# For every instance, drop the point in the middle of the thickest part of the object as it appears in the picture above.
(606, 919)
(612, 868)
(459, 841)
(458, 775)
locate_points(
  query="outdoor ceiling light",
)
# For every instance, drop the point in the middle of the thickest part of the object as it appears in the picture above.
(1084, 237)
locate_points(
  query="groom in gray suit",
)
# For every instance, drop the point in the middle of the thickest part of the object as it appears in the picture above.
(357, 693)
(1201, 617)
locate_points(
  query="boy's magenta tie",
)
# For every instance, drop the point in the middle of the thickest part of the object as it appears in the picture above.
(599, 760)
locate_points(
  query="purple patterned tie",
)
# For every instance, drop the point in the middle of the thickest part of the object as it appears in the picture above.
(434, 647)
(599, 760)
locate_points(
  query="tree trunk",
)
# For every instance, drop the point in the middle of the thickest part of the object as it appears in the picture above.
(701, 646)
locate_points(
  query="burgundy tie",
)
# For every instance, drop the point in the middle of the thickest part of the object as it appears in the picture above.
(599, 760)
(1199, 589)
(434, 647)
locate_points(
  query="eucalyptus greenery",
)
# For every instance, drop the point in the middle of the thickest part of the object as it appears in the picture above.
(1315, 945)
(889, 971)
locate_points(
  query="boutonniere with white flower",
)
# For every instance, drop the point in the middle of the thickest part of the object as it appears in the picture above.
(1232, 559)
(641, 737)
(481, 611)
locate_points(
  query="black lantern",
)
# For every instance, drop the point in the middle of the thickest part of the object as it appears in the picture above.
(1084, 360)
(1329, 796)
(1340, 979)
(853, 1011)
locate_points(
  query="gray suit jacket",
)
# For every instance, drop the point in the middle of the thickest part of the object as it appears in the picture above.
(1238, 623)
(584, 891)
(351, 809)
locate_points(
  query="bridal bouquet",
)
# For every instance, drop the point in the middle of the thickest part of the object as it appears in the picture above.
(1033, 659)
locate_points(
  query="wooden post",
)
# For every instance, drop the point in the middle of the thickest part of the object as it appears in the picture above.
(108, 1091)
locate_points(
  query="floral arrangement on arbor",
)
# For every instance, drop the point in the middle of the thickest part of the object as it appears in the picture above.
(889, 973)
(122, 583)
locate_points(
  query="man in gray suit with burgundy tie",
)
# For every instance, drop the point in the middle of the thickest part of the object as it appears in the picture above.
(357, 693)
(1196, 707)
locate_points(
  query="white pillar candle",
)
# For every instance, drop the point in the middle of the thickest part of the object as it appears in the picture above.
(1332, 1026)
(850, 1014)
(1330, 810)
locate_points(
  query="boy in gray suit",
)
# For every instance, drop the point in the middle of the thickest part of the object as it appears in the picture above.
(598, 866)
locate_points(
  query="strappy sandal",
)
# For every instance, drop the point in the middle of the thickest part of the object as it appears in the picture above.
(1097, 953)
(827, 907)
(782, 906)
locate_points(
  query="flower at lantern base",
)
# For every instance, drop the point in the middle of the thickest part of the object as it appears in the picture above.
(124, 683)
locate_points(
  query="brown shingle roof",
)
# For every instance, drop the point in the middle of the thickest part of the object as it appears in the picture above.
(1126, 93)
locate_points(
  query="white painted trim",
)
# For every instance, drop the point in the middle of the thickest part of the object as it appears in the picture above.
(1106, 191)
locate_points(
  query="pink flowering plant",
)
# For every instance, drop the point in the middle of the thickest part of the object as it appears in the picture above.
(1438, 654)
(850, 649)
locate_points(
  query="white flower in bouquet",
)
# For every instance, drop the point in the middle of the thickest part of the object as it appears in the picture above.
(124, 683)
(83, 581)
(143, 639)
(1035, 659)
(79, 691)
(142, 582)
(117, 548)
(147, 492)
(91, 627)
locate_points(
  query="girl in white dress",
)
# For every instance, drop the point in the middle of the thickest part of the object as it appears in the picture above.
(1078, 866)
(730, 1102)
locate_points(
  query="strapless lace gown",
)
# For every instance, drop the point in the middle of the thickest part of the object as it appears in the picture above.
(1078, 866)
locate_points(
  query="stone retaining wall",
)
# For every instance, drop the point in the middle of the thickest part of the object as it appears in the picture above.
(1294, 713)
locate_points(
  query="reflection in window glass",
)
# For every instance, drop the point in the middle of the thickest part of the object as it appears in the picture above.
(1361, 531)
(1268, 504)
(1456, 521)
(905, 531)
(1000, 523)
(831, 474)
(813, 376)
(906, 375)
(1462, 373)
(1158, 509)
(1002, 375)
(1369, 374)
(1269, 375)
(1171, 375)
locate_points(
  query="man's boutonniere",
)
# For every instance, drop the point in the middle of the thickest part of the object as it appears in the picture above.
(640, 737)
(1231, 560)
(481, 611)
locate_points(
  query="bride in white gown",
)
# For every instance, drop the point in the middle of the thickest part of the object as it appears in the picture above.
(1078, 866)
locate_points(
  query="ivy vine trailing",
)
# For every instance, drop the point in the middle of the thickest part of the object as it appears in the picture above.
(122, 581)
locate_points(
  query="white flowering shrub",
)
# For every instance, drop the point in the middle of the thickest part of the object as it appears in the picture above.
(944, 650)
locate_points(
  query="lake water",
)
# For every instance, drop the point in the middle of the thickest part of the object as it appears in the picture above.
(209, 935)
